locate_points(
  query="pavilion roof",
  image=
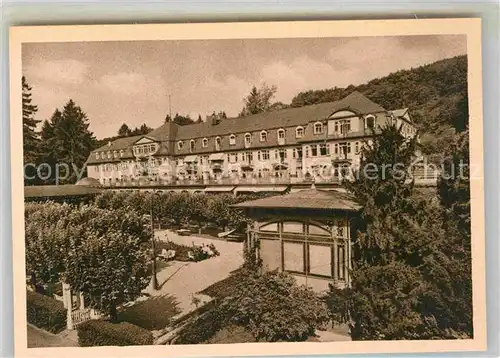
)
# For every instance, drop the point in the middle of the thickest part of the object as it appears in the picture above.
(306, 199)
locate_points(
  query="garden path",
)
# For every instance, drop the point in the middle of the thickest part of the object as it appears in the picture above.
(183, 280)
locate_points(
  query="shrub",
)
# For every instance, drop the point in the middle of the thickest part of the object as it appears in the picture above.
(274, 308)
(45, 312)
(205, 326)
(104, 333)
(338, 301)
(225, 287)
(201, 253)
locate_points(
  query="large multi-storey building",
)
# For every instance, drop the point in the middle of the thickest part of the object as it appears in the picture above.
(285, 147)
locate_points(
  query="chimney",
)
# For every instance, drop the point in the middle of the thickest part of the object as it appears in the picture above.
(214, 118)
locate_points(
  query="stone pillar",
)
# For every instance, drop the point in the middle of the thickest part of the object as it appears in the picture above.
(68, 305)
(65, 288)
(82, 301)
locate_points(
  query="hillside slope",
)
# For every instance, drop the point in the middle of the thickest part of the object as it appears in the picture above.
(436, 95)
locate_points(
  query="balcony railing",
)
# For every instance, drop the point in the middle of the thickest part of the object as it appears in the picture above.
(225, 181)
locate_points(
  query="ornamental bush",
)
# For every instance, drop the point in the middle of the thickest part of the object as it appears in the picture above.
(181, 208)
(204, 326)
(45, 312)
(104, 333)
(274, 308)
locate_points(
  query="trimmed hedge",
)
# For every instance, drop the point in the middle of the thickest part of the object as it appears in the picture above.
(45, 312)
(104, 333)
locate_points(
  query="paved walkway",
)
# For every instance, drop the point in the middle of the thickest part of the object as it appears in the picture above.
(40, 338)
(328, 336)
(183, 280)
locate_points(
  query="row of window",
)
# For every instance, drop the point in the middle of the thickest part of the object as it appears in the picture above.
(318, 128)
(302, 228)
(109, 154)
(306, 248)
(145, 149)
(314, 150)
(125, 165)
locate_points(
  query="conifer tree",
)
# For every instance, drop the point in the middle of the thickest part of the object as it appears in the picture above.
(403, 284)
(30, 136)
(454, 196)
(67, 140)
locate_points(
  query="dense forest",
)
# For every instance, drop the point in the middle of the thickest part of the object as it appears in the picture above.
(436, 95)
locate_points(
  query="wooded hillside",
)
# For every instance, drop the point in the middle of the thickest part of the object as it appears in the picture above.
(436, 95)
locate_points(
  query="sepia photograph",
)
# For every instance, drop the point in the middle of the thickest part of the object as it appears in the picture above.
(219, 192)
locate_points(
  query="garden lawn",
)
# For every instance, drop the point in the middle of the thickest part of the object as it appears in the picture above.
(151, 314)
(38, 337)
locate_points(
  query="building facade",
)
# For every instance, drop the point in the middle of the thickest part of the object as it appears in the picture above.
(307, 234)
(312, 143)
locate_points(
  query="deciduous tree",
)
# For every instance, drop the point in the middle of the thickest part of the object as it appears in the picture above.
(259, 100)
(124, 130)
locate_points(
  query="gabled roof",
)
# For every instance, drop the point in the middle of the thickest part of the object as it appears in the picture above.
(305, 116)
(399, 112)
(306, 199)
(120, 143)
(147, 136)
(164, 132)
(282, 118)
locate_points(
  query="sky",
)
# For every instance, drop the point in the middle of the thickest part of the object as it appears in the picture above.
(131, 81)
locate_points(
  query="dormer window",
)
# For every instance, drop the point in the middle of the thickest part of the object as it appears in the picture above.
(109, 155)
(191, 145)
(248, 139)
(318, 128)
(97, 155)
(299, 132)
(204, 142)
(218, 142)
(121, 153)
(180, 145)
(232, 139)
(370, 121)
(263, 136)
(281, 136)
(115, 154)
